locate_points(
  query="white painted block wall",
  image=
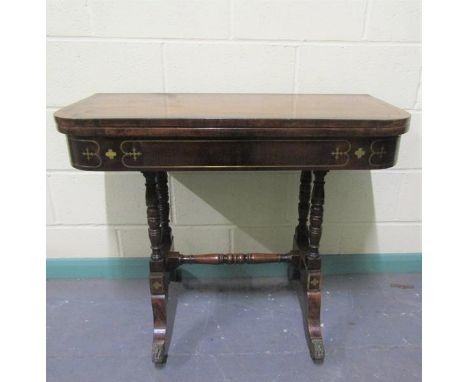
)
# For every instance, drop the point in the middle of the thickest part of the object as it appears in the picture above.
(264, 46)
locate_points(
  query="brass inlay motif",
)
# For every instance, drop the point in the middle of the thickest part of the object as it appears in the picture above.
(381, 153)
(111, 154)
(134, 154)
(314, 281)
(157, 285)
(88, 154)
(93, 159)
(337, 153)
(360, 152)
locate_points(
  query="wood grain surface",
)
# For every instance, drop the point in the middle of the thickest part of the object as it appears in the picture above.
(227, 116)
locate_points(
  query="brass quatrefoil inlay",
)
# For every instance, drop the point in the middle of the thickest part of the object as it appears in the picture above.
(111, 154)
(157, 285)
(360, 152)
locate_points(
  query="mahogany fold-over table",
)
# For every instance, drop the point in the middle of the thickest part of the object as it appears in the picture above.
(156, 133)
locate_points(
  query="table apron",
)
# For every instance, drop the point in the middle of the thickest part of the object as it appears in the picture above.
(111, 154)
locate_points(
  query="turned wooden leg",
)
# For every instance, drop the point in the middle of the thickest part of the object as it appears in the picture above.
(312, 268)
(162, 193)
(301, 235)
(157, 203)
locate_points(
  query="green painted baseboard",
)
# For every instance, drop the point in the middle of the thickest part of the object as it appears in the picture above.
(126, 268)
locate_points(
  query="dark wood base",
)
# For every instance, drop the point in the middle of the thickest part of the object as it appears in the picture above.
(304, 260)
(158, 287)
(313, 299)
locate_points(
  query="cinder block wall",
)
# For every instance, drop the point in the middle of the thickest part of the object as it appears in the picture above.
(262, 46)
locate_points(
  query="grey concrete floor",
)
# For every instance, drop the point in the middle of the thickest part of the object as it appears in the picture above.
(235, 330)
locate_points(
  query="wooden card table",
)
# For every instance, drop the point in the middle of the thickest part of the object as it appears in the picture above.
(156, 133)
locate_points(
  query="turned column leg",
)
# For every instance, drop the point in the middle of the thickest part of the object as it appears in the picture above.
(301, 235)
(162, 193)
(312, 265)
(157, 203)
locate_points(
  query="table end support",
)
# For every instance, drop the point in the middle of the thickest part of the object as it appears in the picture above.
(158, 287)
(301, 233)
(312, 269)
(159, 231)
(313, 281)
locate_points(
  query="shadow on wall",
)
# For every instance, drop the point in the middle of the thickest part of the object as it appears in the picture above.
(242, 211)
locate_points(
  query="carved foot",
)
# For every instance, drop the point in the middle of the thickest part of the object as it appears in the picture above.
(159, 353)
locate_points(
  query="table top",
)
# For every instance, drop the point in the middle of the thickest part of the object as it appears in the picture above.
(231, 116)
